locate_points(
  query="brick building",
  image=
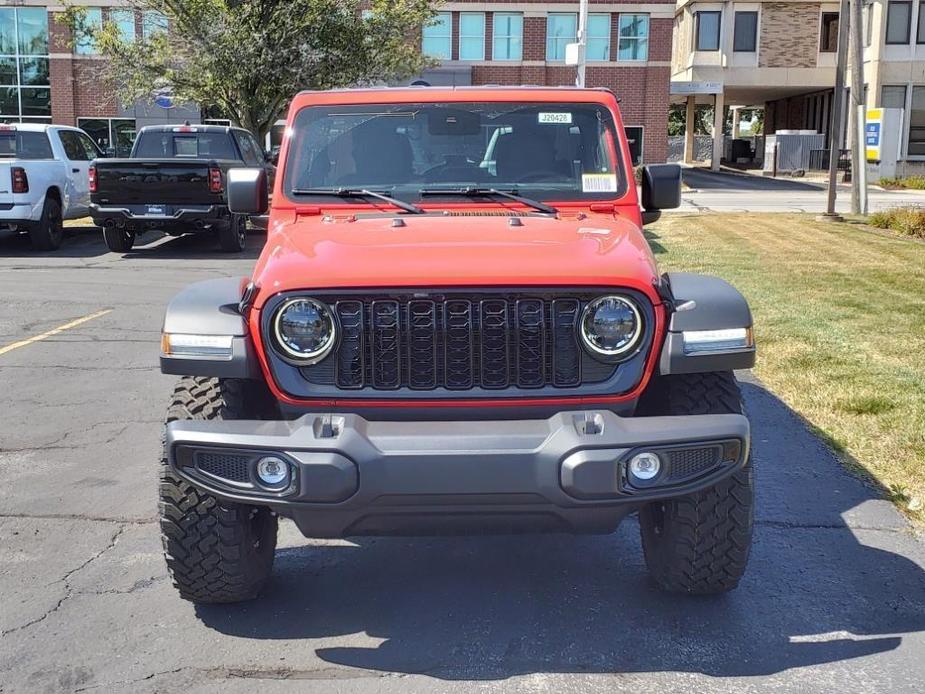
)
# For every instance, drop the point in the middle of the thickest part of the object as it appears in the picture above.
(511, 42)
(44, 78)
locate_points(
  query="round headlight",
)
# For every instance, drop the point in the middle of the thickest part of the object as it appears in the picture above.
(611, 326)
(304, 330)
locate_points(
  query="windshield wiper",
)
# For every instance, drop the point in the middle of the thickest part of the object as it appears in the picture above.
(475, 192)
(360, 193)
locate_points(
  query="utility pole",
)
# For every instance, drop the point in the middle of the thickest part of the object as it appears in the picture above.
(835, 126)
(858, 149)
(582, 42)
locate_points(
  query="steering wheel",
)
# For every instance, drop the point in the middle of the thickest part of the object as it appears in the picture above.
(542, 175)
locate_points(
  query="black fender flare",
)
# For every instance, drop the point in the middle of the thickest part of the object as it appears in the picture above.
(703, 302)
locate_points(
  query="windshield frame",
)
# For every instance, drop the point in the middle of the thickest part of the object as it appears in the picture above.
(615, 145)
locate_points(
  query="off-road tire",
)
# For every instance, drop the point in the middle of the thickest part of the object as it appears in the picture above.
(48, 232)
(699, 544)
(232, 235)
(216, 552)
(118, 240)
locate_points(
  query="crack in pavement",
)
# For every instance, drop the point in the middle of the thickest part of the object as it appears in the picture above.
(79, 517)
(68, 593)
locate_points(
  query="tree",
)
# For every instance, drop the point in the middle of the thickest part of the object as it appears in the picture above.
(247, 58)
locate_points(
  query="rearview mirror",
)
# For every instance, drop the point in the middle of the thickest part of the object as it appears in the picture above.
(247, 191)
(661, 189)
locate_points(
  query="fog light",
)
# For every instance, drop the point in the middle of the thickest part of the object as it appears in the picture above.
(644, 466)
(273, 472)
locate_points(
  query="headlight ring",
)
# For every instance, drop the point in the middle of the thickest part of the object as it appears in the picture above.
(304, 330)
(617, 332)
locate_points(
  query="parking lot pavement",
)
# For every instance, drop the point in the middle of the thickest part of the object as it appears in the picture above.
(726, 191)
(834, 599)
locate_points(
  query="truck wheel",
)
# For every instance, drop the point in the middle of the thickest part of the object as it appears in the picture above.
(699, 544)
(216, 551)
(118, 240)
(47, 233)
(232, 236)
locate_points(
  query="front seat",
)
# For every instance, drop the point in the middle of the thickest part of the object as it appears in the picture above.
(524, 153)
(380, 158)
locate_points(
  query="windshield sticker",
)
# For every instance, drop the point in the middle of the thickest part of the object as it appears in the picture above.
(599, 183)
(555, 118)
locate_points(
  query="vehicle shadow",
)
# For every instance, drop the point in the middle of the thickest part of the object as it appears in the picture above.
(816, 591)
(87, 242)
(84, 241)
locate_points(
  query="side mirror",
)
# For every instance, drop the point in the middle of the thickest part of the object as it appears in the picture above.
(111, 153)
(661, 189)
(272, 156)
(247, 191)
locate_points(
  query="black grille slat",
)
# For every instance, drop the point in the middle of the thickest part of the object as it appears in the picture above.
(458, 326)
(566, 364)
(422, 344)
(386, 344)
(531, 343)
(350, 364)
(493, 343)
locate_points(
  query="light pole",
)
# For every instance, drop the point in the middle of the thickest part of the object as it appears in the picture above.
(582, 42)
(835, 126)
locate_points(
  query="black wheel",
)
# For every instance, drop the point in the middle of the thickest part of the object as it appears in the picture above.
(699, 544)
(118, 240)
(232, 236)
(48, 232)
(216, 552)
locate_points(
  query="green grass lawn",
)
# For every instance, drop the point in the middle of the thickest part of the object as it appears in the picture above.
(839, 313)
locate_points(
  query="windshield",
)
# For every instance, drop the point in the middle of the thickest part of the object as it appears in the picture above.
(557, 151)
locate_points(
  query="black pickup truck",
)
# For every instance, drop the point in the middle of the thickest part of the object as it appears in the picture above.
(173, 181)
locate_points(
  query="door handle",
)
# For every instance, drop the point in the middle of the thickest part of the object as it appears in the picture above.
(75, 170)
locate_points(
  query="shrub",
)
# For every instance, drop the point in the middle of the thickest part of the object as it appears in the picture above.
(914, 182)
(909, 221)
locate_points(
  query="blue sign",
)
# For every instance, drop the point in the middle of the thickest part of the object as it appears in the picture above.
(872, 134)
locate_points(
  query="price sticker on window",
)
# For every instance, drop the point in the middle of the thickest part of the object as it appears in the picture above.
(599, 183)
(555, 118)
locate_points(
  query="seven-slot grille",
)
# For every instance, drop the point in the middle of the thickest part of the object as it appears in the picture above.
(458, 343)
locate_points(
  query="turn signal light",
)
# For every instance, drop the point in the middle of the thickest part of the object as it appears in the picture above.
(20, 180)
(215, 180)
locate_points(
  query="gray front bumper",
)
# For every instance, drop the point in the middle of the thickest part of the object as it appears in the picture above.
(354, 476)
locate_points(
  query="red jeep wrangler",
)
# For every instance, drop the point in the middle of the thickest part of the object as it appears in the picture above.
(456, 326)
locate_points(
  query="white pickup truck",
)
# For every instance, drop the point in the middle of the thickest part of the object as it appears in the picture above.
(44, 179)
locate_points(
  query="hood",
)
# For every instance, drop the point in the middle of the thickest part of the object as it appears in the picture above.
(436, 250)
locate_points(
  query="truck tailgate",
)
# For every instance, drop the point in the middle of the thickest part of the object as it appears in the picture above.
(6, 184)
(159, 181)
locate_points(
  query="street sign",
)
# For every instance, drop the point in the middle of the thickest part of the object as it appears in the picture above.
(872, 133)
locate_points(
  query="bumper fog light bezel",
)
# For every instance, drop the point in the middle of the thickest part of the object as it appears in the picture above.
(284, 482)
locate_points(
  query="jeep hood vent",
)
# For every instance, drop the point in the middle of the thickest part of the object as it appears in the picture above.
(485, 213)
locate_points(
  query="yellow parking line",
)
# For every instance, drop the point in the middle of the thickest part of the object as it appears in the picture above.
(55, 331)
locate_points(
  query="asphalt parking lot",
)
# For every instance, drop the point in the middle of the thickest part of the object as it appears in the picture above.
(834, 599)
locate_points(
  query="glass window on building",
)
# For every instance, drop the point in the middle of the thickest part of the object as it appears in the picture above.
(24, 80)
(634, 37)
(917, 123)
(124, 19)
(152, 23)
(920, 29)
(745, 32)
(437, 41)
(111, 135)
(828, 37)
(598, 44)
(706, 36)
(893, 96)
(507, 36)
(561, 30)
(898, 20)
(472, 36)
(85, 45)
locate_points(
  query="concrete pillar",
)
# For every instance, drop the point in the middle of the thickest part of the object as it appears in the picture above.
(718, 108)
(689, 129)
(735, 121)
